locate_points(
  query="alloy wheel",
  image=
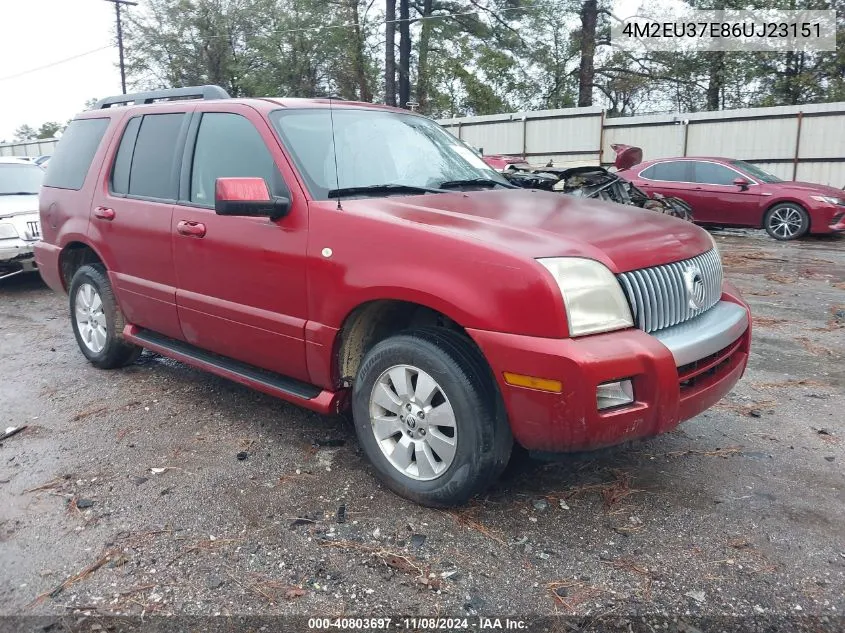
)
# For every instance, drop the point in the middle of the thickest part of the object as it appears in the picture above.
(413, 422)
(786, 222)
(90, 318)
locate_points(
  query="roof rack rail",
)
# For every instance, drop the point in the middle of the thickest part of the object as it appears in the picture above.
(140, 98)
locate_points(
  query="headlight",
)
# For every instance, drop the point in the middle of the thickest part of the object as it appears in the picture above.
(7, 231)
(592, 296)
(829, 200)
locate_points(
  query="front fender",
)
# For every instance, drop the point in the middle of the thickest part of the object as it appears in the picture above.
(354, 259)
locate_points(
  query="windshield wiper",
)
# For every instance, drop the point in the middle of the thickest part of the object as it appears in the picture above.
(476, 182)
(18, 193)
(377, 189)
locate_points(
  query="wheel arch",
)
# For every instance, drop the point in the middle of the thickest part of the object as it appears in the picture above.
(373, 321)
(73, 256)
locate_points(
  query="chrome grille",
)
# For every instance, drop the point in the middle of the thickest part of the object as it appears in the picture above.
(658, 296)
(33, 229)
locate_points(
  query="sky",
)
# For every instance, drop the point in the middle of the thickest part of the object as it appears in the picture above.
(38, 33)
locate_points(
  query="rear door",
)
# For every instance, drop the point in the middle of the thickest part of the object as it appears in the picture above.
(670, 178)
(721, 201)
(241, 280)
(132, 210)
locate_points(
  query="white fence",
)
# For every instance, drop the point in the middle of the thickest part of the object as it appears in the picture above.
(29, 148)
(792, 142)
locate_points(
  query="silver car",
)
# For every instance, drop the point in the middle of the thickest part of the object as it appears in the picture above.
(20, 228)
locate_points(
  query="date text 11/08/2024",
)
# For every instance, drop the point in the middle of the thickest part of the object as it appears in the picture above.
(418, 623)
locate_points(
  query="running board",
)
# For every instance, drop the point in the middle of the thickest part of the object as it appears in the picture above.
(290, 389)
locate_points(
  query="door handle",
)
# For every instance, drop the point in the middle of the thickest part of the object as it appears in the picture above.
(191, 229)
(104, 213)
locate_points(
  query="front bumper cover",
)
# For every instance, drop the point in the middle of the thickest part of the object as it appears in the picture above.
(667, 389)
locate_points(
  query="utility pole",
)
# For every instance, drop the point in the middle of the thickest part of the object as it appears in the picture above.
(117, 4)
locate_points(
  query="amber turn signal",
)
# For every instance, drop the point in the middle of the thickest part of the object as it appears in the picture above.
(530, 382)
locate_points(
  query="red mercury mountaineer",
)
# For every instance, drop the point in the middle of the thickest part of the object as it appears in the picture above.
(345, 255)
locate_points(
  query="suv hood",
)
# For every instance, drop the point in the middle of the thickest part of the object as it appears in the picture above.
(15, 205)
(545, 224)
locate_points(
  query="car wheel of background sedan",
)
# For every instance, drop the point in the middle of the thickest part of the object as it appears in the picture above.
(97, 321)
(786, 221)
(429, 417)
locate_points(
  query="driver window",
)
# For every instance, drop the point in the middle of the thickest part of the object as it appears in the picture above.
(228, 145)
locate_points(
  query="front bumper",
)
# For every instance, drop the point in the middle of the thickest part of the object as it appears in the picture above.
(675, 377)
(828, 220)
(16, 256)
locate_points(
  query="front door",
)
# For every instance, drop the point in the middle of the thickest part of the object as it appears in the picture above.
(241, 280)
(721, 201)
(131, 217)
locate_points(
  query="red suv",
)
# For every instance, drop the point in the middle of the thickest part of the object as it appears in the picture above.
(727, 192)
(347, 255)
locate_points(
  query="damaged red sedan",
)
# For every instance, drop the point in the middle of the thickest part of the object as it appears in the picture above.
(727, 192)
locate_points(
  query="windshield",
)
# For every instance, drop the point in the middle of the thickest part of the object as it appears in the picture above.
(755, 172)
(20, 179)
(376, 148)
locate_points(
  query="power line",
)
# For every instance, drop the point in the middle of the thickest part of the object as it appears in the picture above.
(56, 63)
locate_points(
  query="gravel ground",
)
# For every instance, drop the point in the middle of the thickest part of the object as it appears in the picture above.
(159, 489)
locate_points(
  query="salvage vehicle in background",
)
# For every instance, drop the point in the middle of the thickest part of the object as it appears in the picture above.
(19, 222)
(728, 192)
(591, 181)
(506, 163)
(343, 255)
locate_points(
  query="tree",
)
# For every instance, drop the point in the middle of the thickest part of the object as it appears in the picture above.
(25, 133)
(404, 53)
(459, 57)
(390, 52)
(586, 68)
(49, 129)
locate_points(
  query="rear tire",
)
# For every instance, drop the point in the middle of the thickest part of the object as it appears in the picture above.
(429, 417)
(786, 221)
(97, 320)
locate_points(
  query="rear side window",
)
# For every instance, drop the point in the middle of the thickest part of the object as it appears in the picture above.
(74, 153)
(675, 171)
(153, 170)
(227, 146)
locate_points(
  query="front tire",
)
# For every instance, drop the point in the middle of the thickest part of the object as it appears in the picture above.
(429, 417)
(786, 221)
(97, 320)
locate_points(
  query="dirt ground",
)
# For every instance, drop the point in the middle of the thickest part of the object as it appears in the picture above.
(159, 489)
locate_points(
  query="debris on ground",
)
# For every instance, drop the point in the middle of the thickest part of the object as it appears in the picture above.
(331, 443)
(104, 558)
(242, 456)
(89, 412)
(12, 430)
(574, 592)
(698, 596)
(402, 563)
(341, 514)
(417, 540)
(612, 492)
(302, 521)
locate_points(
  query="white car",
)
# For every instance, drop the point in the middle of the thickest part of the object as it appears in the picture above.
(20, 227)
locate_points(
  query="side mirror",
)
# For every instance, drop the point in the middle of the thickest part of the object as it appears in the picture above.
(742, 183)
(248, 197)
